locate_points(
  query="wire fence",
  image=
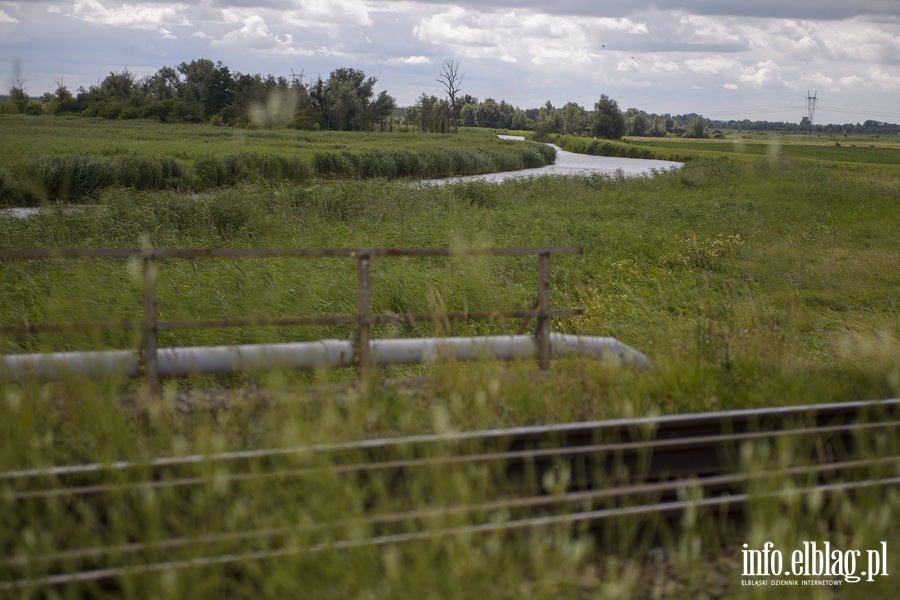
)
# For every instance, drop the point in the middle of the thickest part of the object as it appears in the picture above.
(592, 473)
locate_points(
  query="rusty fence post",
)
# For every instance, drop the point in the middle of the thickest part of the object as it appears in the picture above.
(363, 327)
(543, 320)
(149, 330)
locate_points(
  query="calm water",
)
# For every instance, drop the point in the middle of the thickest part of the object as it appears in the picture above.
(570, 163)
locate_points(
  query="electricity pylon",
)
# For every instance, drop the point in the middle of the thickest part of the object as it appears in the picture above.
(811, 102)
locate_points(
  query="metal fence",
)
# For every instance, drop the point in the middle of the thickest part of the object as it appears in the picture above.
(150, 325)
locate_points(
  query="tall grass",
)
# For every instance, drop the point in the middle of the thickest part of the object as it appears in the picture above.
(868, 151)
(750, 273)
(201, 158)
(756, 284)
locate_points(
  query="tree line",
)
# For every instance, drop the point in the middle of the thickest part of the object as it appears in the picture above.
(201, 91)
(869, 127)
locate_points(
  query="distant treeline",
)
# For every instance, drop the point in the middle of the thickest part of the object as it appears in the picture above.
(202, 91)
(205, 92)
(870, 127)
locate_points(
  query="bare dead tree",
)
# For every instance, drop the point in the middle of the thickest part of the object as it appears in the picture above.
(451, 79)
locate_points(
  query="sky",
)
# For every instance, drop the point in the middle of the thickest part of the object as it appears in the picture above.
(724, 59)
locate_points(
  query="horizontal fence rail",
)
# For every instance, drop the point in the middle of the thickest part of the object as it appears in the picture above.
(150, 325)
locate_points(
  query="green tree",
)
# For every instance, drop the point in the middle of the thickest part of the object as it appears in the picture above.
(61, 101)
(609, 122)
(382, 109)
(636, 122)
(549, 120)
(519, 120)
(119, 86)
(431, 114)
(696, 128)
(209, 84)
(344, 99)
(18, 99)
(165, 84)
(487, 114)
(574, 119)
(467, 114)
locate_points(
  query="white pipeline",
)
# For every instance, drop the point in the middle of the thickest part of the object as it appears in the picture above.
(310, 355)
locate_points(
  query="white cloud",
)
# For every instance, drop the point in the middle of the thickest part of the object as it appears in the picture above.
(763, 74)
(459, 27)
(648, 54)
(709, 30)
(625, 25)
(254, 31)
(330, 13)
(816, 80)
(853, 82)
(522, 36)
(409, 60)
(141, 15)
(711, 65)
(255, 35)
(665, 66)
(883, 79)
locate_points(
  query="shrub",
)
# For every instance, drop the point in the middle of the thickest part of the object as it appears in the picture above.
(71, 177)
(139, 172)
(439, 163)
(228, 216)
(332, 164)
(469, 162)
(532, 158)
(157, 109)
(12, 193)
(210, 171)
(286, 167)
(34, 108)
(408, 164)
(377, 164)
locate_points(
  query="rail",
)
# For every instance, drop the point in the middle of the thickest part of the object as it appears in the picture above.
(150, 325)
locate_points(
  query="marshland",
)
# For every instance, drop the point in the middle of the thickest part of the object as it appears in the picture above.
(761, 273)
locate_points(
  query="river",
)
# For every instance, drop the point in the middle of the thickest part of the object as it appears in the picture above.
(571, 163)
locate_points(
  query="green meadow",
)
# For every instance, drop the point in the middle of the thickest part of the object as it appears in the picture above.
(755, 280)
(866, 152)
(74, 159)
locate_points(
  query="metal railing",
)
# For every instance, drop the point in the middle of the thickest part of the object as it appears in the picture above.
(150, 325)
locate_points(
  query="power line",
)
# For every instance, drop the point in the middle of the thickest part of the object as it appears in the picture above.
(749, 111)
(797, 108)
(859, 112)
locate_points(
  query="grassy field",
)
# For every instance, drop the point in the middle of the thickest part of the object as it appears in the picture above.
(860, 150)
(759, 282)
(74, 159)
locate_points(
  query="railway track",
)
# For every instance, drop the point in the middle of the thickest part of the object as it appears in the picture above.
(174, 513)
